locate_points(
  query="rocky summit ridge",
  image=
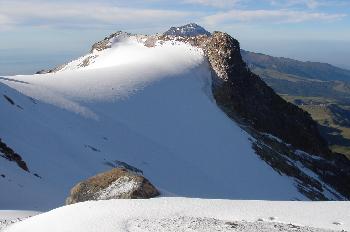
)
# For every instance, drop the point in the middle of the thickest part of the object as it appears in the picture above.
(191, 29)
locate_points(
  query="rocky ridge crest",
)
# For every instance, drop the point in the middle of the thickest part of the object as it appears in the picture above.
(188, 30)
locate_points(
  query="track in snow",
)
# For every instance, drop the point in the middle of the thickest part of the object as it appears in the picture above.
(188, 214)
(192, 224)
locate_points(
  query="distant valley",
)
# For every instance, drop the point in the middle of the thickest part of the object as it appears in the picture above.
(321, 89)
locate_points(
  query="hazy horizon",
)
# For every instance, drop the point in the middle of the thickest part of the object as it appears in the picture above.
(18, 61)
(38, 34)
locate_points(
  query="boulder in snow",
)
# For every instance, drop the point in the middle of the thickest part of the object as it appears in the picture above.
(118, 183)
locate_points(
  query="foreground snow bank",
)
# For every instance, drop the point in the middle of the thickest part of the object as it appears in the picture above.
(186, 214)
(213, 225)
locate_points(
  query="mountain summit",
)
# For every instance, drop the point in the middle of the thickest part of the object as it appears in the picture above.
(191, 29)
(184, 110)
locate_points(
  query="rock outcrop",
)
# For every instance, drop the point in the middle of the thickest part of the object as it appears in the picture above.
(187, 30)
(9, 154)
(248, 100)
(109, 40)
(119, 183)
(244, 95)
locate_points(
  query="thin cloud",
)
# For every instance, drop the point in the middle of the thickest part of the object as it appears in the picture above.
(39, 13)
(274, 16)
(5, 20)
(311, 4)
(93, 14)
(213, 3)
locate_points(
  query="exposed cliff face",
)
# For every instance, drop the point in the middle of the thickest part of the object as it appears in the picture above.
(281, 130)
(248, 100)
(243, 95)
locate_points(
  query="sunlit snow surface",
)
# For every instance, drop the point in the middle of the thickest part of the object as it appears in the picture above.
(8, 217)
(149, 107)
(189, 215)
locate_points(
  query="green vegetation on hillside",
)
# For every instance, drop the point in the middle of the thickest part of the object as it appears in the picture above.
(333, 118)
(326, 99)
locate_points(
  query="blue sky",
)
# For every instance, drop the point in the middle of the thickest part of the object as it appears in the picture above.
(51, 31)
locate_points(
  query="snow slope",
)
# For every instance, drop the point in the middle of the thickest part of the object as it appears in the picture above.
(8, 217)
(182, 214)
(149, 107)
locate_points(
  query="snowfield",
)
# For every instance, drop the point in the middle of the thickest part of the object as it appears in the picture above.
(150, 107)
(183, 214)
(8, 217)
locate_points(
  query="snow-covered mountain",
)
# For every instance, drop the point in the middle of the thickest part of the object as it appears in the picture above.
(147, 101)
